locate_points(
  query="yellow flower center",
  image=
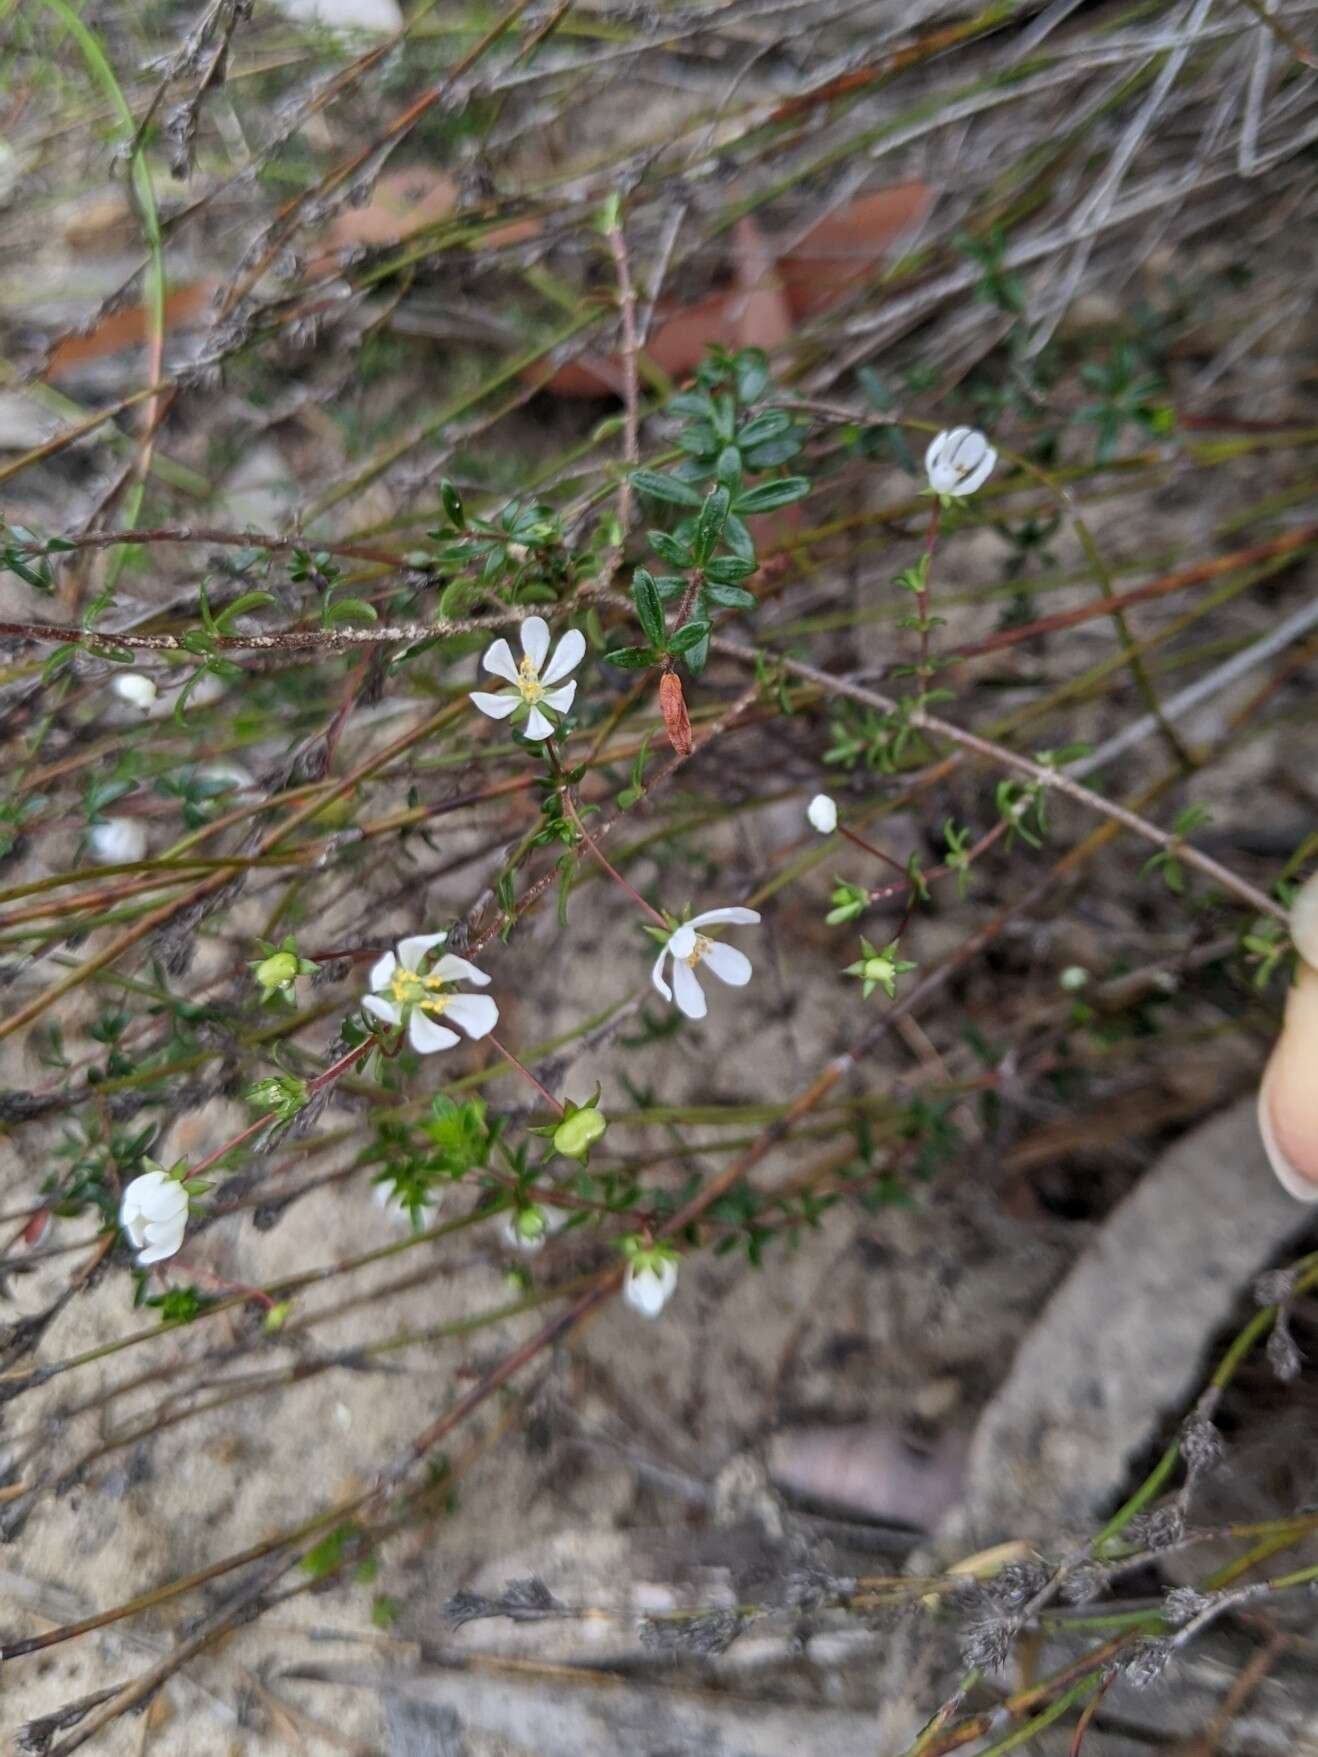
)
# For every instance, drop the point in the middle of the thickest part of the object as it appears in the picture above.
(697, 951)
(409, 989)
(528, 682)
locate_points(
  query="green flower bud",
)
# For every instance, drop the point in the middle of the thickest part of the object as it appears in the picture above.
(278, 970)
(577, 1134)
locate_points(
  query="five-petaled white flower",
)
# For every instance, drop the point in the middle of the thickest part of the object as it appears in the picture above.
(959, 461)
(135, 689)
(154, 1214)
(117, 841)
(402, 993)
(650, 1280)
(688, 947)
(822, 813)
(532, 680)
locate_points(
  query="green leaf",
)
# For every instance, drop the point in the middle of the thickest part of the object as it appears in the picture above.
(769, 496)
(752, 369)
(773, 451)
(663, 487)
(240, 607)
(688, 636)
(767, 425)
(673, 550)
(728, 467)
(451, 501)
(692, 404)
(350, 610)
(730, 597)
(709, 525)
(632, 658)
(739, 540)
(649, 607)
(728, 570)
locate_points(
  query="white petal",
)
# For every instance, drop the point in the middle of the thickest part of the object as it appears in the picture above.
(728, 964)
(413, 949)
(980, 475)
(426, 1036)
(657, 975)
(683, 940)
(136, 1230)
(568, 654)
(822, 814)
(476, 1014)
(742, 917)
(166, 1232)
(382, 1009)
(382, 970)
(560, 700)
(535, 640)
(453, 969)
(537, 727)
(499, 659)
(157, 1253)
(687, 991)
(498, 707)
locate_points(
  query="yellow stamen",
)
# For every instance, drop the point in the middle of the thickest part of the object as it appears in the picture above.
(408, 989)
(528, 682)
(697, 951)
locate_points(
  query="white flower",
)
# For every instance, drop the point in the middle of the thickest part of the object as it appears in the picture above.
(959, 461)
(532, 679)
(135, 689)
(399, 992)
(822, 813)
(154, 1214)
(688, 948)
(117, 841)
(649, 1282)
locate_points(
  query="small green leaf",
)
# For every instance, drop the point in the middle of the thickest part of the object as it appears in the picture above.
(730, 597)
(769, 496)
(709, 525)
(663, 487)
(350, 610)
(649, 607)
(688, 636)
(673, 549)
(632, 658)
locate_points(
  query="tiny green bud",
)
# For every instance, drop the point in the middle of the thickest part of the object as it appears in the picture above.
(577, 1133)
(276, 971)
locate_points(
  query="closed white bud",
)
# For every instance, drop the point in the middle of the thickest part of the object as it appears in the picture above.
(135, 689)
(822, 813)
(117, 842)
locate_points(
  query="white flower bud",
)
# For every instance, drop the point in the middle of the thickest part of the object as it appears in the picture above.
(822, 813)
(154, 1214)
(959, 461)
(117, 841)
(648, 1286)
(135, 689)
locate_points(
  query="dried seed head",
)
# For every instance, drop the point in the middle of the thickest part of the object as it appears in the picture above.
(1084, 1584)
(702, 1636)
(1283, 1355)
(1182, 1603)
(1146, 1663)
(1016, 1584)
(987, 1643)
(1201, 1444)
(1275, 1287)
(1158, 1530)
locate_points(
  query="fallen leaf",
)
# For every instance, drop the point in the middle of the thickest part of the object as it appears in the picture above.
(129, 328)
